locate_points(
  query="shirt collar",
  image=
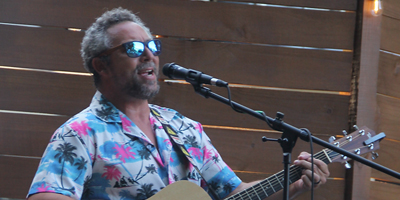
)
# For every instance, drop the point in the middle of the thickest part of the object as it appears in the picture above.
(106, 111)
(103, 109)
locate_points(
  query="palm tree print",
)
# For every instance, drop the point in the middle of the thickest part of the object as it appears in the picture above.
(190, 140)
(65, 154)
(86, 189)
(216, 158)
(182, 129)
(214, 185)
(146, 191)
(144, 154)
(228, 188)
(111, 173)
(105, 113)
(126, 195)
(81, 163)
(151, 169)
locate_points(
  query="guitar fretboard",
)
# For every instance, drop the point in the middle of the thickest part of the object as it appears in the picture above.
(274, 183)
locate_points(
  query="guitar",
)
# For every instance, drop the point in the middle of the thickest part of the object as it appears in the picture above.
(359, 142)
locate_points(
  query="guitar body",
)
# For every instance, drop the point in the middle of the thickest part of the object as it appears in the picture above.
(181, 190)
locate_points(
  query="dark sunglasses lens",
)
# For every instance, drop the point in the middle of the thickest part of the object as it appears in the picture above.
(155, 47)
(134, 49)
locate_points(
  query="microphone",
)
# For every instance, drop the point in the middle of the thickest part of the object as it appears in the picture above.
(175, 71)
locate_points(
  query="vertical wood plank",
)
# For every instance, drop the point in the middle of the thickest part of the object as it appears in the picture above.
(366, 102)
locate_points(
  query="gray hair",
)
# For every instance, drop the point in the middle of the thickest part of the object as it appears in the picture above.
(97, 40)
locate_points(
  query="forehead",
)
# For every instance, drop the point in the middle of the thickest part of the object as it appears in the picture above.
(127, 31)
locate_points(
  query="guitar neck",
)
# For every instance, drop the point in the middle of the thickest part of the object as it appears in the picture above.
(274, 183)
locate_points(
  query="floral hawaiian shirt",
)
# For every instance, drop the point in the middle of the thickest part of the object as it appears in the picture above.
(101, 154)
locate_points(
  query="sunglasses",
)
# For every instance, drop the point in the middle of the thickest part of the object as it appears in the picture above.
(135, 49)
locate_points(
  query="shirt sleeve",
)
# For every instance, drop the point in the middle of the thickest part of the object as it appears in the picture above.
(217, 173)
(65, 164)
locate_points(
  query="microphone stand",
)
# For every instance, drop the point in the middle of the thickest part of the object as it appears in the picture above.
(289, 136)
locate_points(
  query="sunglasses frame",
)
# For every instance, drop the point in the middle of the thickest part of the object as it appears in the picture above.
(124, 45)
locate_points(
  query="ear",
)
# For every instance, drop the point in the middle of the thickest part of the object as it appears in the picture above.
(99, 65)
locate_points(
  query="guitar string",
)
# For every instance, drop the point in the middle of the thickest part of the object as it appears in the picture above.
(319, 155)
(259, 188)
(275, 181)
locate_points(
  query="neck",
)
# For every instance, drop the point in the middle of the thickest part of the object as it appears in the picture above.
(132, 107)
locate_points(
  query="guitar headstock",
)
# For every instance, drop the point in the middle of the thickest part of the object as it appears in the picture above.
(359, 142)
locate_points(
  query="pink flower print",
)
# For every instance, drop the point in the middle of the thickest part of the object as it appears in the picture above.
(111, 173)
(198, 127)
(124, 153)
(195, 152)
(44, 189)
(207, 153)
(81, 128)
(126, 123)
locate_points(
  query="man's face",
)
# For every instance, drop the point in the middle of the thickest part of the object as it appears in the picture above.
(136, 77)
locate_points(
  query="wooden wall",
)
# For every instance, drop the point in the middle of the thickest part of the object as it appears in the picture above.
(388, 101)
(300, 58)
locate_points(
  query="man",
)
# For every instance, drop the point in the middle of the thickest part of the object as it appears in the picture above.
(119, 147)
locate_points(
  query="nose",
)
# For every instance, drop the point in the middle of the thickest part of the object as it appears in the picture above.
(147, 55)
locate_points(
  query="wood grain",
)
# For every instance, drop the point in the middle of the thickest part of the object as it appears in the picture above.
(41, 48)
(390, 30)
(388, 151)
(31, 132)
(55, 49)
(389, 75)
(44, 92)
(385, 191)
(16, 176)
(391, 8)
(366, 95)
(325, 4)
(227, 22)
(67, 95)
(320, 113)
(388, 115)
(263, 65)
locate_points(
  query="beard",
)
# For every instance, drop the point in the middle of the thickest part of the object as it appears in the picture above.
(139, 88)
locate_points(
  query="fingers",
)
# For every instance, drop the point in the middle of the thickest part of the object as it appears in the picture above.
(304, 161)
(307, 177)
(321, 171)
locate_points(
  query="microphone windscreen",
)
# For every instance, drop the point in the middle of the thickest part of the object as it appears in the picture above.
(166, 69)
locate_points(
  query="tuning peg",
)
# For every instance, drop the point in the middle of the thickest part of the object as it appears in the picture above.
(347, 165)
(357, 151)
(344, 132)
(355, 127)
(331, 139)
(374, 155)
(371, 146)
